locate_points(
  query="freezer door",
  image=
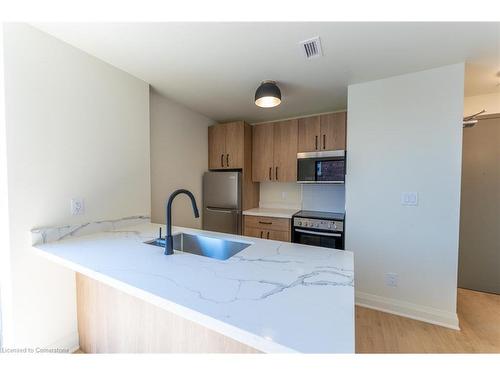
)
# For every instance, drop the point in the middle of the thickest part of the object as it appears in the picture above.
(220, 220)
(222, 190)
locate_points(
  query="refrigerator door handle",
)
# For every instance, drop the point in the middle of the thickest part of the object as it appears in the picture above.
(221, 210)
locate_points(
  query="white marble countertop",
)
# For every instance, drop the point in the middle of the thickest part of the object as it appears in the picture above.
(271, 212)
(273, 296)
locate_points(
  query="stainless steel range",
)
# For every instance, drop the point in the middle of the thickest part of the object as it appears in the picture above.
(317, 228)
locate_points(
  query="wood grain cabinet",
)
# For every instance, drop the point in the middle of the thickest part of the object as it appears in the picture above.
(309, 134)
(226, 145)
(322, 133)
(274, 152)
(230, 147)
(269, 228)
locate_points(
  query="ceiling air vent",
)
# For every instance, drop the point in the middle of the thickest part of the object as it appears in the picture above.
(312, 47)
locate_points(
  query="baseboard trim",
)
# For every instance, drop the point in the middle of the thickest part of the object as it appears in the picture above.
(408, 310)
(70, 342)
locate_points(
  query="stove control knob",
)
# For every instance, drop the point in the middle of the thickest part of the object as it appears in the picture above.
(316, 225)
(299, 223)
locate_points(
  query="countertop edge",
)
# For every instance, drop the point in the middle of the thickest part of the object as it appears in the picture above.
(270, 213)
(206, 321)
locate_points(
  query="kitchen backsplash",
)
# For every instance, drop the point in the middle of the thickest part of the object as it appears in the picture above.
(317, 197)
(280, 195)
(323, 197)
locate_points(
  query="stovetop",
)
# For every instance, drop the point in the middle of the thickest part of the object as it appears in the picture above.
(322, 215)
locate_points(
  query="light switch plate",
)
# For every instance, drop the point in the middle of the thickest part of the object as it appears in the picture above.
(77, 206)
(391, 279)
(409, 198)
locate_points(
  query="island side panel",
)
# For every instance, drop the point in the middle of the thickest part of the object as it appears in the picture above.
(110, 321)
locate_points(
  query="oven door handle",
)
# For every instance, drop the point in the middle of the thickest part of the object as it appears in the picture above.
(318, 233)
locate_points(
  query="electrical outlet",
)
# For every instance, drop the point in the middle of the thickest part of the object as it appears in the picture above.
(391, 279)
(283, 195)
(77, 206)
(409, 198)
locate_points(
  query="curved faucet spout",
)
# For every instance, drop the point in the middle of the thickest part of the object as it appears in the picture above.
(169, 240)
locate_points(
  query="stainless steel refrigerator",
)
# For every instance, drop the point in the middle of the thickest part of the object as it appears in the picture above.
(222, 202)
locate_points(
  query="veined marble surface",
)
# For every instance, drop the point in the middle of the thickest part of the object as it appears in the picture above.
(273, 296)
(50, 234)
(271, 212)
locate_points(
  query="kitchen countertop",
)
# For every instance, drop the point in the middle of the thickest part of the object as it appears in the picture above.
(273, 296)
(271, 212)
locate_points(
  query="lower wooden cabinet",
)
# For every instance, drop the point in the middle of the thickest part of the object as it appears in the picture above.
(112, 321)
(269, 228)
(278, 235)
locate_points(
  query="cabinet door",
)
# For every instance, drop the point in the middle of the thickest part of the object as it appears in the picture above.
(216, 146)
(277, 235)
(333, 131)
(255, 232)
(309, 134)
(262, 153)
(233, 158)
(285, 151)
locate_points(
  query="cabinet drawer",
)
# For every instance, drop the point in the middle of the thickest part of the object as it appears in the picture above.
(276, 235)
(267, 223)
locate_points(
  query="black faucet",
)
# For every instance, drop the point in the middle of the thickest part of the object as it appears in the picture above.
(169, 240)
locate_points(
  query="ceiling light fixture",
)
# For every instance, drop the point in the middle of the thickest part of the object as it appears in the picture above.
(268, 95)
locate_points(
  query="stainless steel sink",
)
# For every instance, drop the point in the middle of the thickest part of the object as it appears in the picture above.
(202, 245)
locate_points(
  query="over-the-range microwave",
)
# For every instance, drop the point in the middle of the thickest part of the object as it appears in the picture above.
(321, 167)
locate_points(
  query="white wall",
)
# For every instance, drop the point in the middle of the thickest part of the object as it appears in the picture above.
(474, 104)
(405, 134)
(179, 157)
(316, 197)
(5, 279)
(76, 127)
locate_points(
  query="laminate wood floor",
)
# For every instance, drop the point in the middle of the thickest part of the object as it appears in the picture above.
(478, 313)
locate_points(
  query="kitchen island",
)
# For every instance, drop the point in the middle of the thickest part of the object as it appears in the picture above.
(271, 297)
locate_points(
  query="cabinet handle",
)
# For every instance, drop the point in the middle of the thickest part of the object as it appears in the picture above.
(267, 235)
(261, 233)
(316, 147)
(222, 160)
(227, 160)
(324, 141)
(270, 171)
(265, 222)
(276, 173)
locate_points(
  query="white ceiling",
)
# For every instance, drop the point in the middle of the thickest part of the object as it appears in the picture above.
(214, 68)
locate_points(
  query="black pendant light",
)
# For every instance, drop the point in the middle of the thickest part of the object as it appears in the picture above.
(268, 95)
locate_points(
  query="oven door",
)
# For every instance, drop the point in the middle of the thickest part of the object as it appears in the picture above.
(333, 240)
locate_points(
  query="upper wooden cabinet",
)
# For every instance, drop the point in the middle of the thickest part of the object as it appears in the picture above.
(322, 133)
(309, 134)
(230, 147)
(226, 145)
(262, 152)
(333, 131)
(274, 153)
(285, 151)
